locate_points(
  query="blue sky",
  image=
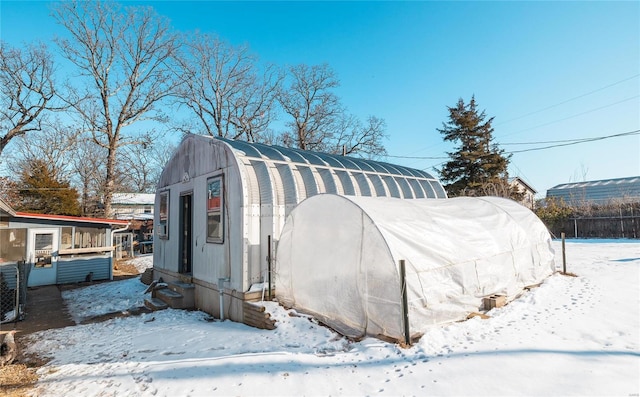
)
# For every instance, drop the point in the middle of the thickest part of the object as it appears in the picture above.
(546, 71)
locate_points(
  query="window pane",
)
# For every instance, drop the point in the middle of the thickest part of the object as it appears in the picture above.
(66, 240)
(214, 210)
(13, 245)
(214, 226)
(89, 237)
(43, 249)
(163, 227)
(164, 207)
(213, 200)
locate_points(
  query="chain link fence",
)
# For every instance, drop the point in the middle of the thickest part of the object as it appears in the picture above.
(13, 291)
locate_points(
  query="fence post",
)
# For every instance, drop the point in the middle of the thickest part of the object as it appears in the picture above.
(633, 223)
(269, 264)
(564, 256)
(405, 306)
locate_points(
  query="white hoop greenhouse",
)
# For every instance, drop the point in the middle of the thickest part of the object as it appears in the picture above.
(338, 259)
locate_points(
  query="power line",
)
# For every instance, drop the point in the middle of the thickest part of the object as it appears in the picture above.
(558, 143)
(636, 132)
(572, 116)
(540, 125)
(417, 157)
(576, 140)
(568, 100)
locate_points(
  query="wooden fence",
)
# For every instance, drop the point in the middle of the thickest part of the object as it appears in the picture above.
(610, 221)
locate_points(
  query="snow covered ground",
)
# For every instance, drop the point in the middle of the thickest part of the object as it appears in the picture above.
(571, 336)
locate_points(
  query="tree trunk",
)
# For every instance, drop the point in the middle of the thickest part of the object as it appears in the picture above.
(85, 196)
(3, 143)
(109, 182)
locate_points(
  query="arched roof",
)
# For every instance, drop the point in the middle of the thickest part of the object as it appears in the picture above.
(288, 176)
(456, 251)
(599, 192)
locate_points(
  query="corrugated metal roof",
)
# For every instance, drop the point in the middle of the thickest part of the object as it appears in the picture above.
(600, 191)
(314, 173)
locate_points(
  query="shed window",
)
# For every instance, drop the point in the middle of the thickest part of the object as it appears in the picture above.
(89, 237)
(214, 210)
(66, 240)
(163, 228)
(13, 245)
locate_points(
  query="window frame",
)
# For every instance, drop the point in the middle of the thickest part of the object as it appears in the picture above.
(163, 224)
(13, 245)
(89, 237)
(211, 211)
(67, 232)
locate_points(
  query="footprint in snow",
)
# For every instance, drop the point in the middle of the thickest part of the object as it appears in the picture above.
(171, 353)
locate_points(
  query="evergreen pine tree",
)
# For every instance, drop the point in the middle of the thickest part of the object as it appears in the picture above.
(477, 166)
(41, 192)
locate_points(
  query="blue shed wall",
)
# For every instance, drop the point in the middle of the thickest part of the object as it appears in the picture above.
(76, 269)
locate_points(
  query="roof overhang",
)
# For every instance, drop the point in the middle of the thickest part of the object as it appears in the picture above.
(525, 184)
(66, 218)
(5, 209)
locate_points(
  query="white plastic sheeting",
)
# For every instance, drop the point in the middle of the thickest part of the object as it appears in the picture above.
(338, 259)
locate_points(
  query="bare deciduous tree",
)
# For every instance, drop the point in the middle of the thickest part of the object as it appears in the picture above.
(223, 88)
(144, 165)
(87, 162)
(315, 109)
(27, 90)
(124, 57)
(54, 145)
(356, 138)
(320, 122)
(497, 188)
(254, 110)
(9, 190)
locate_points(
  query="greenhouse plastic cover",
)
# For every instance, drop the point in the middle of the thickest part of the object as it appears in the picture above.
(338, 259)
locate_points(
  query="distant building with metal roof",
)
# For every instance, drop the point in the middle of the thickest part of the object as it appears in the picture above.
(598, 192)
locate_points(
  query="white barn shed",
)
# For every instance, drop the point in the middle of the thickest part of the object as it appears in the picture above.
(219, 202)
(456, 253)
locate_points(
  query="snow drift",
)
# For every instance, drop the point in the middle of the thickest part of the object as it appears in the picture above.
(338, 259)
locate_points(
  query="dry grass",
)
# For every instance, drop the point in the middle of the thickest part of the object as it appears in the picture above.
(122, 268)
(17, 380)
(477, 314)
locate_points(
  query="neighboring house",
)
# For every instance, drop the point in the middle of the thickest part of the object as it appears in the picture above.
(221, 205)
(597, 192)
(138, 206)
(529, 198)
(138, 209)
(57, 249)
